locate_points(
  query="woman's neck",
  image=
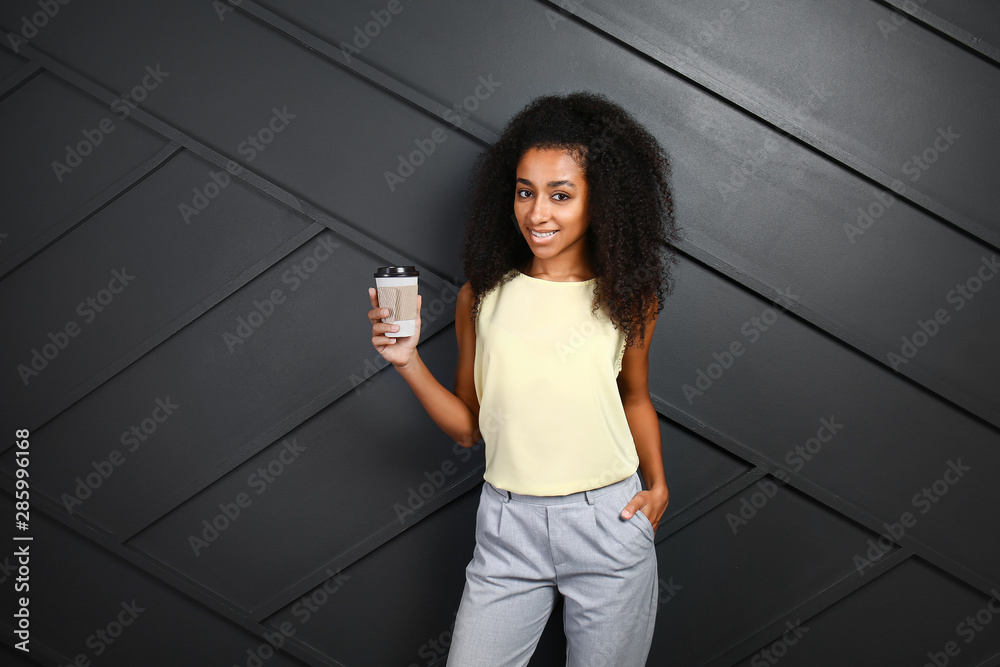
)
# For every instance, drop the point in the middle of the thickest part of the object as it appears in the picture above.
(557, 274)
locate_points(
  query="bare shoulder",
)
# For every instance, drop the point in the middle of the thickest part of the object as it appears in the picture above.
(633, 381)
(466, 296)
(463, 306)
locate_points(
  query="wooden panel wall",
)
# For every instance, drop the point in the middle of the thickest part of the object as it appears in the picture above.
(195, 196)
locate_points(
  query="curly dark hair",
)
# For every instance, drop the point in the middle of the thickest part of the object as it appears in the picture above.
(632, 232)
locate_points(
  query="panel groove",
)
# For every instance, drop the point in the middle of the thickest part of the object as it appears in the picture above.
(708, 503)
(272, 434)
(991, 662)
(960, 37)
(821, 495)
(928, 382)
(184, 585)
(40, 651)
(341, 561)
(53, 410)
(21, 77)
(706, 80)
(939, 386)
(773, 118)
(810, 607)
(140, 115)
(90, 208)
(360, 69)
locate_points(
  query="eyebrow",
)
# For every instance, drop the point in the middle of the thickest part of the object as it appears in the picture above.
(552, 184)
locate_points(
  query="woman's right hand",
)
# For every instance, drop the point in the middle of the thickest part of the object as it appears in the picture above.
(397, 351)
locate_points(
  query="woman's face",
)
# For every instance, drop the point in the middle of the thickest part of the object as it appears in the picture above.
(550, 195)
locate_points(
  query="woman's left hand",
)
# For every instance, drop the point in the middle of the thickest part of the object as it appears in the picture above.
(653, 503)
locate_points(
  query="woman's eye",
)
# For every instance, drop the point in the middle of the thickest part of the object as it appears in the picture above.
(524, 194)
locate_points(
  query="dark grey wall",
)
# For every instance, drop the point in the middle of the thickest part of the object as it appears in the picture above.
(833, 482)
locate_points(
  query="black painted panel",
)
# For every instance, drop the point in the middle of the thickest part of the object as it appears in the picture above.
(921, 297)
(226, 77)
(85, 600)
(744, 564)
(693, 467)
(886, 440)
(858, 255)
(37, 123)
(360, 470)
(784, 226)
(886, 93)
(227, 382)
(911, 615)
(411, 585)
(128, 273)
(16, 658)
(9, 63)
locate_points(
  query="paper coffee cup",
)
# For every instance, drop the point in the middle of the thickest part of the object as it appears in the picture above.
(397, 291)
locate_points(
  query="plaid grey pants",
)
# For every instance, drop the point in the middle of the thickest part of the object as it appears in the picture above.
(530, 547)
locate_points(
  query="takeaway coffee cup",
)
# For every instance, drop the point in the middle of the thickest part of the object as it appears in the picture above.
(397, 291)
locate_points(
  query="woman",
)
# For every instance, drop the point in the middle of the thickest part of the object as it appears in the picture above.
(571, 222)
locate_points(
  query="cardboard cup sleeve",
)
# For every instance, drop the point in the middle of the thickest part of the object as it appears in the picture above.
(401, 302)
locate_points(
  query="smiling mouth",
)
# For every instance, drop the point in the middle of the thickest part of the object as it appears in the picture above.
(544, 235)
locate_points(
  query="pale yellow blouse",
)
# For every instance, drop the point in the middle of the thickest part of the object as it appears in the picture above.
(550, 413)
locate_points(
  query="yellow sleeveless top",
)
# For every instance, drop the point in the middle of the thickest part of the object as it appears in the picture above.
(545, 373)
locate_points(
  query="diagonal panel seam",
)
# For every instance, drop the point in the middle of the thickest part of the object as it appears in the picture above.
(823, 496)
(938, 385)
(962, 37)
(776, 120)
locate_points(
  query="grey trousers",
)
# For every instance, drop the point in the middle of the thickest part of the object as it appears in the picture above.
(530, 547)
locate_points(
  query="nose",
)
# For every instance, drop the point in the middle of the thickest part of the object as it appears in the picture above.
(540, 211)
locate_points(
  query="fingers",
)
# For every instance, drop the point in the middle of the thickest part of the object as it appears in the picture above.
(630, 509)
(376, 313)
(636, 503)
(379, 328)
(373, 297)
(386, 328)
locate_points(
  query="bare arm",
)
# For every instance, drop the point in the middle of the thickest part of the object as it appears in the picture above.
(457, 414)
(633, 386)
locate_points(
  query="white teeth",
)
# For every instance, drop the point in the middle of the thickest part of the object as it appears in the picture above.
(541, 236)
